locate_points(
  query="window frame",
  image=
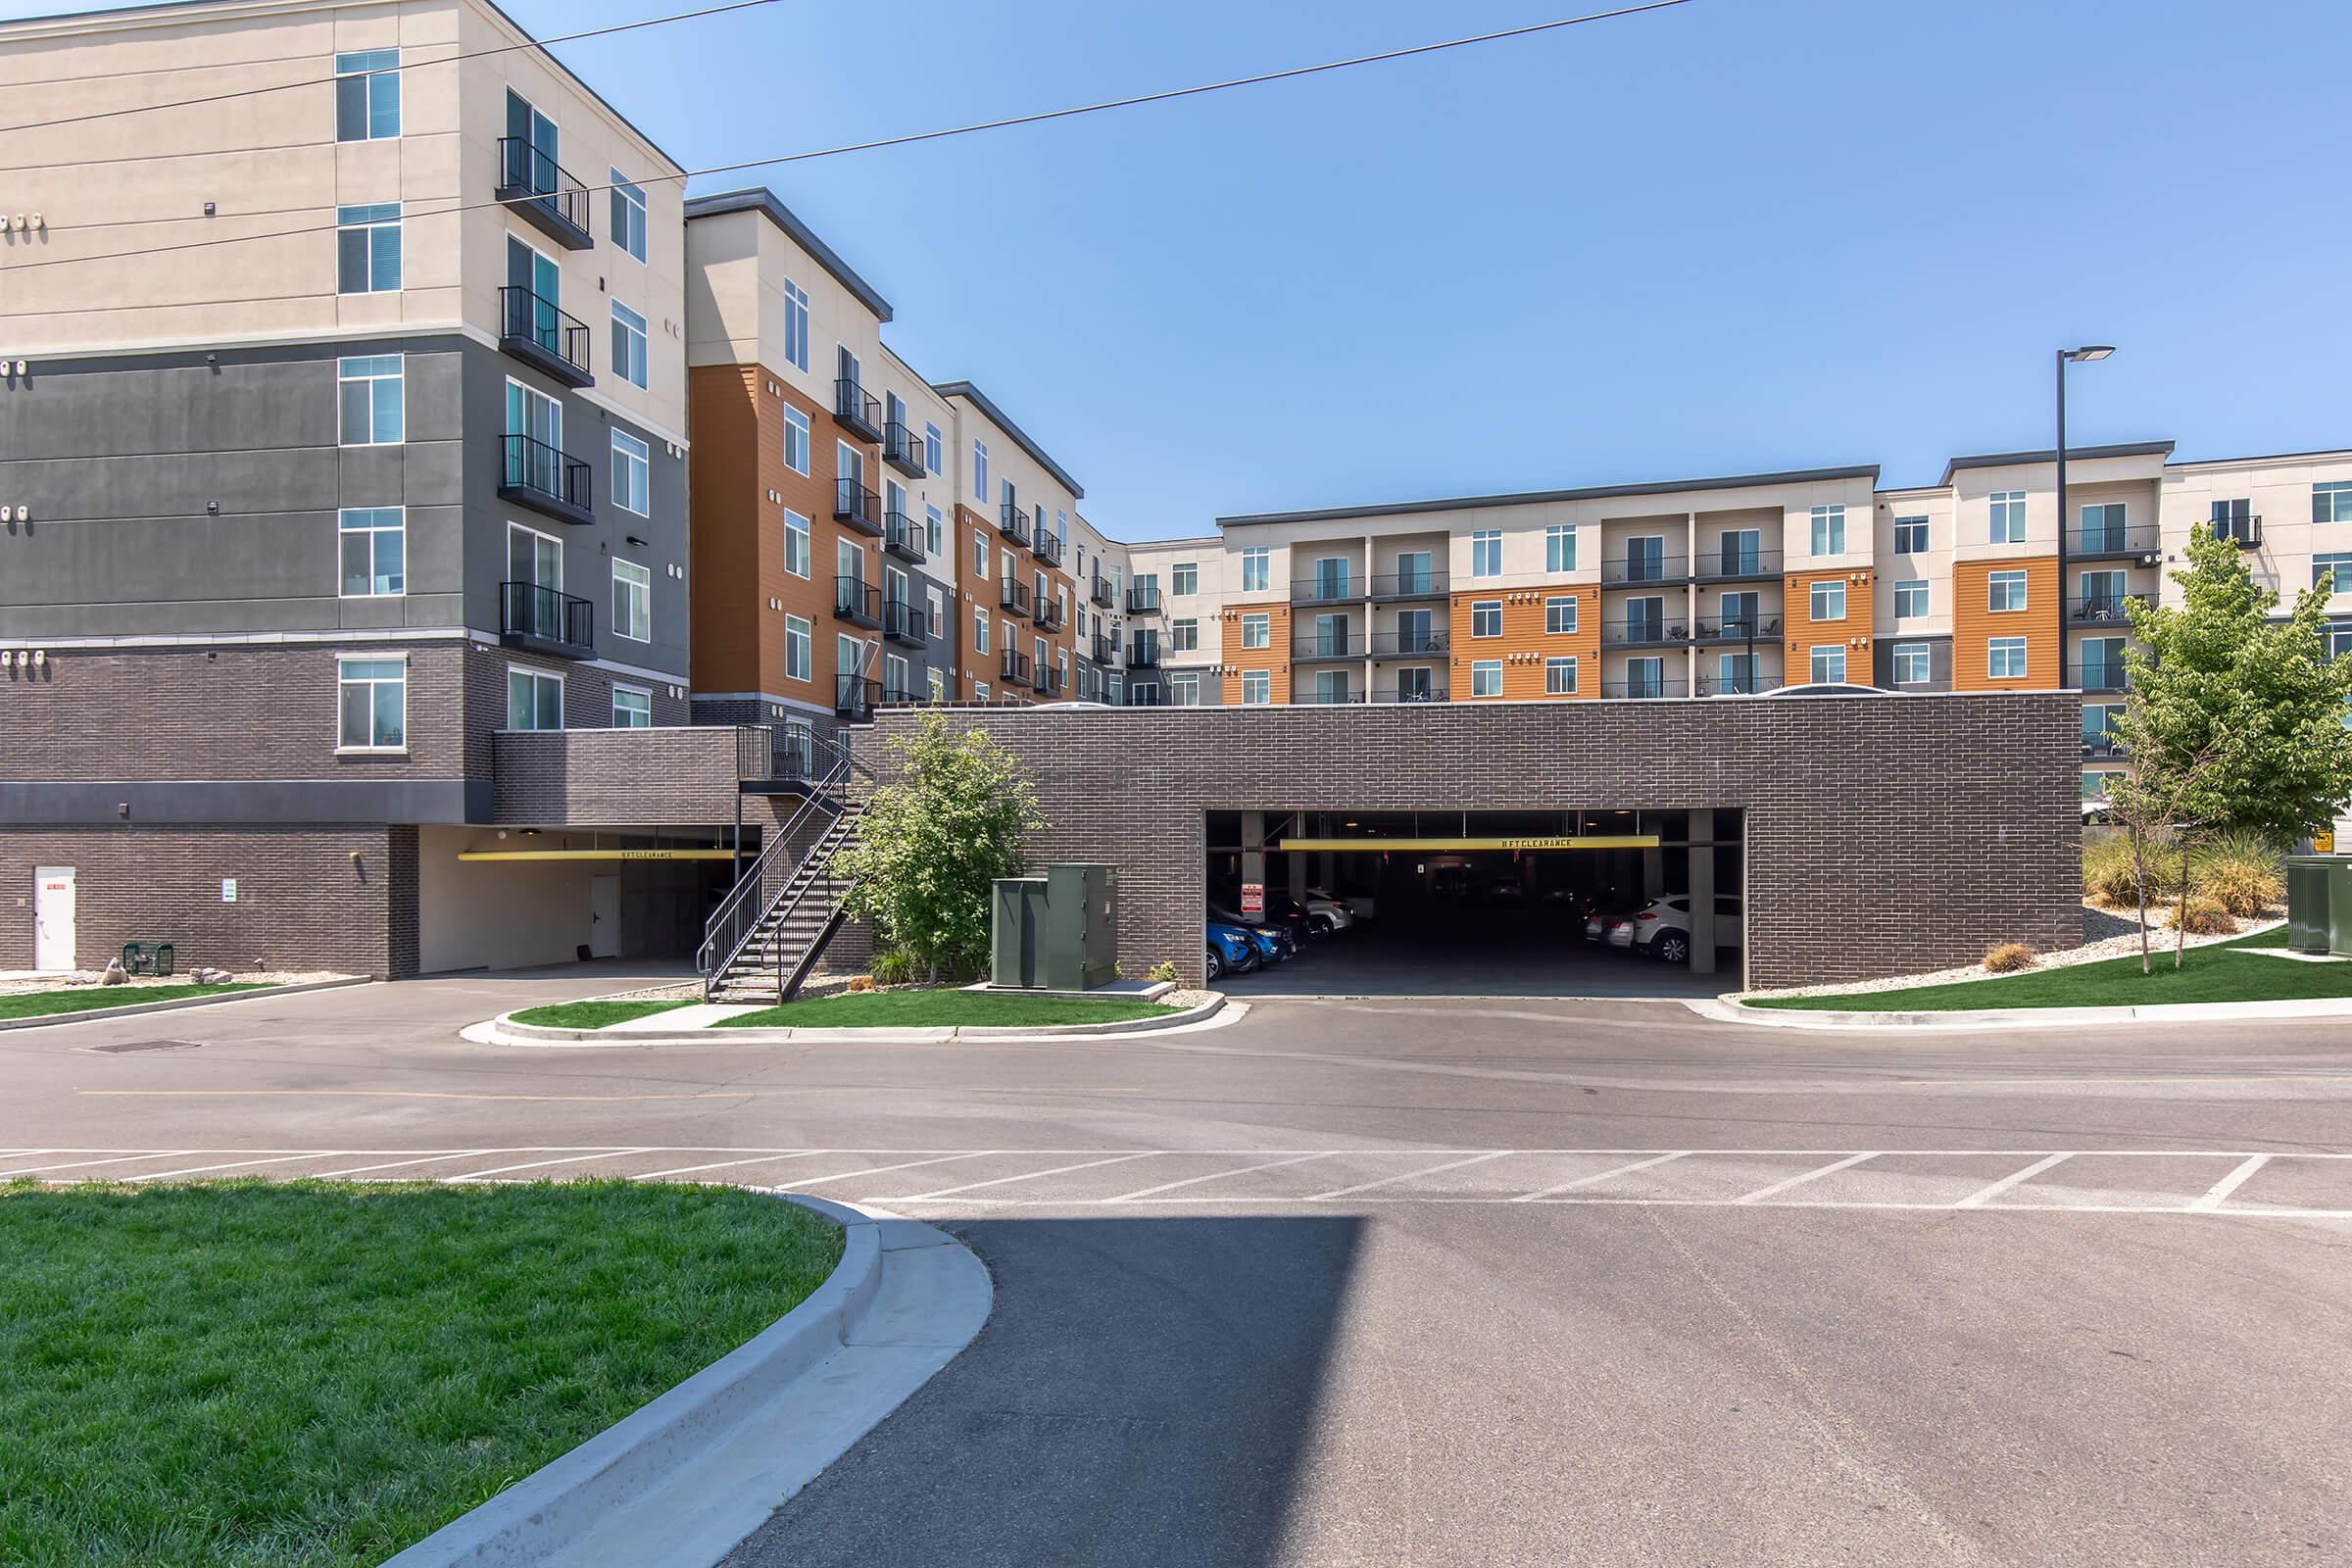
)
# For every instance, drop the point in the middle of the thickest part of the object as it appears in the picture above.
(798, 527)
(2005, 522)
(1826, 532)
(371, 382)
(1996, 582)
(637, 497)
(1257, 631)
(1902, 652)
(1816, 654)
(1997, 646)
(1485, 553)
(1481, 670)
(361, 66)
(1559, 547)
(1262, 680)
(1558, 664)
(1904, 543)
(639, 578)
(623, 688)
(369, 223)
(1912, 588)
(631, 346)
(1814, 592)
(1257, 568)
(1184, 578)
(1553, 604)
(345, 532)
(1483, 611)
(799, 632)
(626, 215)
(2337, 494)
(535, 675)
(345, 680)
(796, 326)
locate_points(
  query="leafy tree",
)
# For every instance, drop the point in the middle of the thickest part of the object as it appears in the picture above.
(952, 819)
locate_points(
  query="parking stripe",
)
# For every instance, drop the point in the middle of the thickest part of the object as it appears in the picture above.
(1029, 1176)
(542, 1164)
(1410, 1175)
(1985, 1194)
(2220, 1190)
(119, 1159)
(1599, 1176)
(721, 1164)
(421, 1159)
(1762, 1192)
(884, 1170)
(1212, 1176)
(235, 1164)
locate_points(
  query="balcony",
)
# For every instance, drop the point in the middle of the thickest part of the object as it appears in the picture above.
(2143, 544)
(1646, 632)
(854, 697)
(1013, 598)
(1013, 669)
(543, 193)
(1050, 616)
(859, 506)
(1434, 693)
(1103, 595)
(546, 479)
(541, 621)
(1344, 589)
(1147, 697)
(903, 697)
(1407, 644)
(902, 449)
(904, 622)
(1738, 685)
(904, 537)
(1737, 565)
(2247, 531)
(1645, 687)
(1327, 698)
(1738, 629)
(1328, 646)
(1103, 650)
(1406, 585)
(2104, 748)
(1641, 571)
(1013, 523)
(541, 335)
(2099, 609)
(858, 602)
(855, 410)
(1048, 547)
(1143, 601)
(1049, 682)
(2106, 678)
(1142, 653)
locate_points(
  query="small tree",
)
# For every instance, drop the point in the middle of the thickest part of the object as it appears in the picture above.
(952, 819)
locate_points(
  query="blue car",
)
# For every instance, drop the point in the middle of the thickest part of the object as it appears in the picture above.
(1273, 943)
(1231, 951)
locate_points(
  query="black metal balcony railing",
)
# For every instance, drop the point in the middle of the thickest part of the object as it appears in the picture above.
(1407, 585)
(1738, 628)
(855, 409)
(859, 506)
(858, 602)
(543, 193)
(537, 331)
(1049, 682)
(1103, 595)
(2247, 531)
(854, 697)
(1143, 601)
(1644, 632)
(902, 449)
(903, 536)
(2107, 677)
(1433, 693)
(1149, 696)
(2101, 748)
(1342, 588)
(1327, 698)
(1407, 644)
(1142, 653)
(1643, 570)
(903, 696)
(1013, 523)
(1013, 599)
(1341, 644)
(1047, 545)
(1103, 649)
(1734, 566)
(904, 622)
(1747, 685)
(2099, 609)
(2113, 542)
(546, 478)
(1646, 686)
(1050, 616)
(544, 620)
(1013, 669)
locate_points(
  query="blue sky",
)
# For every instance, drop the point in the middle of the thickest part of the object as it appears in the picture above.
(1730, 236)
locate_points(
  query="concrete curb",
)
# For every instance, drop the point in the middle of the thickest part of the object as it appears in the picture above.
(690, 1473)
(52, 1020)
(1723, 1011)
(504, 1030)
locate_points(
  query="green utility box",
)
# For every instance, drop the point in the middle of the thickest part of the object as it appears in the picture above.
(1057, 932)
(147, 958)
(2319, 903)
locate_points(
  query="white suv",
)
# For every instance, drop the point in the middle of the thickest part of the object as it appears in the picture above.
(1662, 928)
(1332, 914)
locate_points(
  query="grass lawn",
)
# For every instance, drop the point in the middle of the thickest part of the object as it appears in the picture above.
(933, 1010)
(593, 1014)
(87, 998)
(306, 1374)
(2221, 972)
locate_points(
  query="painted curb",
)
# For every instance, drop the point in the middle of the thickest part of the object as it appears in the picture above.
(51, 1020)
(1723, 1011)
(545, 1517)
(504, 1030)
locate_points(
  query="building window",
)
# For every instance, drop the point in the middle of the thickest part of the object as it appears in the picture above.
(935, 531)
(2008, 517)
(1829, 600)
(1184, 690)
(370, 398)
(1911, 598)
(1485, 553)
(2335, 562)
(979, 630)
(632, 708)
(1257, 631)
(1257, 568)
(628, 216)
(1559, 547)
(628, 345)
(2104, 526)
(1829, 664)
(796, 543)
(931, 450)
(980, 555)
(2331, 501)
(796, 327)
(1485, 677)
(1559, 615)
(2005, 590)
(1257, 686)
(632, 601)
(1485, 618)
(367, 95)
(935, 685)
(367, 249)
(1560, 677)
(796, 439)
(375, 548)
(1829, 531)
(1184, 636)
(1910, 536)
(799, 649)
(534, 698)
(979, 691)
(1911, 665)
(935, 611)
(2006, 659)
(374, 698)
(632, 474)
(980, 471)
(1184, 577)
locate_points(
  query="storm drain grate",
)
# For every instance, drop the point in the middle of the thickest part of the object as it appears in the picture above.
(128, 1046)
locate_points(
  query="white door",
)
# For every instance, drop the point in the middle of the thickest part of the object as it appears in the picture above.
(604, 917)
(53, 917)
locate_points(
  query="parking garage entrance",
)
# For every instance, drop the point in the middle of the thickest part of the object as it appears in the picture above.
(1617, 903)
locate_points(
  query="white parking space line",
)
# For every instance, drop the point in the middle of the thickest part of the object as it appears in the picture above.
(1030, 1175)
(884, 1170)
(1985, 1194)
(420, 1159)
(722, 1164)
(235, 1164)
(1410, 1175)
(542, 1164)
(1212, 1176)
(1598, 1176)
(1777, 1188)
(2220, 1190)
(119, 1159)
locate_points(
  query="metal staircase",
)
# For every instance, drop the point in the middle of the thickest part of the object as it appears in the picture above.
(771, 929)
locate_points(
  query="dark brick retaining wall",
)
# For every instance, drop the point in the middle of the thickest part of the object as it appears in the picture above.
(1885, 834)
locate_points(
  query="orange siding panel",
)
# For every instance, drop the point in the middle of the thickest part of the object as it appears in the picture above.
(1525, 645)
(1975, 623)
(1805, 633)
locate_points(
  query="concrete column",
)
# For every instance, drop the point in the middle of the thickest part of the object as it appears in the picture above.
(1254, 852)
(1295, 865)
(1654, 873)
(1702, 893)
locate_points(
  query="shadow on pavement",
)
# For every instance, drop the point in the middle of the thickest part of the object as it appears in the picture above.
(1142, 1394)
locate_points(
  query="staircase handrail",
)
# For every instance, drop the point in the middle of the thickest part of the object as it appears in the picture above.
(727, 927)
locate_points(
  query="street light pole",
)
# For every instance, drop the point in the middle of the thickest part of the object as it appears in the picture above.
(2088, 352)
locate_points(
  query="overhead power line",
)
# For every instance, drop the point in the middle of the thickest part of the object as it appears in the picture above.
(894, 141)
(386, 71)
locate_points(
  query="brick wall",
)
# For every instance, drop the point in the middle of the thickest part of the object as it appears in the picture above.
(1885, 834)
(622, 777)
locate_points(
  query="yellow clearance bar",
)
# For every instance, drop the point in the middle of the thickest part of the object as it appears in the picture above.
(1582, 841)
(596, 855)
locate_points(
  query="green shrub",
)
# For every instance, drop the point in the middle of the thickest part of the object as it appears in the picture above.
(2203, 916)
(893, 968)
(2243, 888)
(2110, 879)
(2006, 957)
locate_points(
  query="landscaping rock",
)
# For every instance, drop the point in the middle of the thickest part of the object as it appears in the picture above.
(115, 975)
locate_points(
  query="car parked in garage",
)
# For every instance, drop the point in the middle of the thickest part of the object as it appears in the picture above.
(1661, 929)
(1231, 951)
(1335, 913)
(1274, 943)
